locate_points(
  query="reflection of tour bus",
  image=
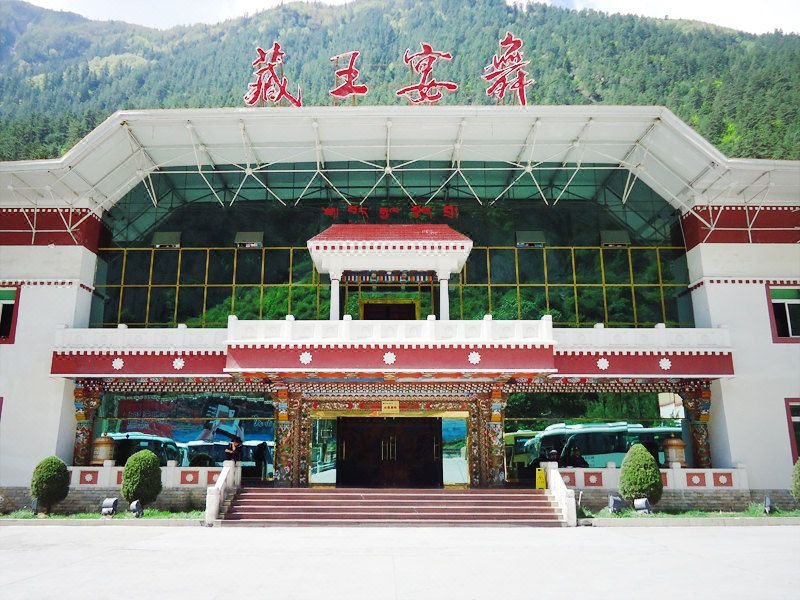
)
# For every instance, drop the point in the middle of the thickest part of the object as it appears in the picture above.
(600, 443)
(517, 454)
(195, 451)
(126, 444)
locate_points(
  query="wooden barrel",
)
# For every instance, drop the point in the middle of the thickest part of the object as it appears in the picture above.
(675, 451)
(102, 450)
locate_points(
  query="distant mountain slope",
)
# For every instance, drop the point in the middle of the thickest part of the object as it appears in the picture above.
(61, 74)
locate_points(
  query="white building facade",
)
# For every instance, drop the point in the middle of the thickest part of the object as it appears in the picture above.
(90, 321)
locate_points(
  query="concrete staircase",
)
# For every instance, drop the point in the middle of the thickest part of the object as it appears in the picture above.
(261, 506)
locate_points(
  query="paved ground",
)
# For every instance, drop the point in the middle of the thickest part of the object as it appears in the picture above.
(405, 563)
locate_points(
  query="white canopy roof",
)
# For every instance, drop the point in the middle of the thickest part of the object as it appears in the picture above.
(651, 142)
(424, 247)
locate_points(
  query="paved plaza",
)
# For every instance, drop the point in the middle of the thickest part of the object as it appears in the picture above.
(414, 563)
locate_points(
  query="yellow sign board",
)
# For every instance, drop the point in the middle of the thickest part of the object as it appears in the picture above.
(541, 480)
(390, 407)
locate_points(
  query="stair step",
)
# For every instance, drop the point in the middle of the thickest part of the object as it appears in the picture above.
(409, 510)
(391, 521)
(388, 494)
(398, 517)
(386, 498)
(395, 502)
(343, 506)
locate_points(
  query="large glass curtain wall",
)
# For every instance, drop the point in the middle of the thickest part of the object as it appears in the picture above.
(578, 286)
(570, 276)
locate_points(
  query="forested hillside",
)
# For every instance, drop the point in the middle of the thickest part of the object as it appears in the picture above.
(61, 74)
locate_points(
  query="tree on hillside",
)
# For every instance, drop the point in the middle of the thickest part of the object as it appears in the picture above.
(740, 91)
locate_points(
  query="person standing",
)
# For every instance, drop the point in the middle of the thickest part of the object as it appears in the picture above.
(260, 458)
(576, 460)
(234, 449)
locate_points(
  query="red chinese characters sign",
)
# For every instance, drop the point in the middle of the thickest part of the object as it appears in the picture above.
(348, 76)
(449, 211)
(269, 86)
(427, 89)
(505, 72)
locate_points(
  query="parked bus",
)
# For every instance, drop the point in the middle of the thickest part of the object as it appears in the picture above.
(212, 454)
(600, 443)
(128, 443)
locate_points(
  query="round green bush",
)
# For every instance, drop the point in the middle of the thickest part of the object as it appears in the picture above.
(50, 482)
(640, 477)
(141, 479)
(796, 481)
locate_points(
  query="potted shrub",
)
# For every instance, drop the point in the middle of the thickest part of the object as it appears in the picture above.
(141, 479)
(50, 482)
(796, 481)
(640, 477)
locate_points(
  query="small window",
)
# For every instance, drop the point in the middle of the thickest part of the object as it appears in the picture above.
(793, 413)
(8, 306)
(786, 311)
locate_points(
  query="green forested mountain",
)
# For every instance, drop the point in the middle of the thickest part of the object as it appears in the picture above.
(61, 74)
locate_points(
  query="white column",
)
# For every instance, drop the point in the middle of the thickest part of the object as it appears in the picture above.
(444, 296)
(335, 277)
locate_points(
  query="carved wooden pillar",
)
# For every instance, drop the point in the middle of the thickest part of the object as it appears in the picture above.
(86, 396)
(475, 444)
(287, 438)
(304, 442)
(496, 472)
(484, 408)
(490, 439)
(697, 404)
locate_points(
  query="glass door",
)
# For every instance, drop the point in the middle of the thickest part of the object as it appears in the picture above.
(455, 465)
(323, 452)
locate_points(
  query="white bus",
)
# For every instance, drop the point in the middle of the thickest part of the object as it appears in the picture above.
(600, 443)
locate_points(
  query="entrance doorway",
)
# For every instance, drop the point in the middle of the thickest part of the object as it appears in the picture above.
(390, 310)
(389, 452)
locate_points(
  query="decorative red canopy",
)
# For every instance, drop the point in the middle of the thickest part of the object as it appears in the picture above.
(406, 233)
(389, 248)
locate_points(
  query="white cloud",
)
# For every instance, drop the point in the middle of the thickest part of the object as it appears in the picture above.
(756, 17)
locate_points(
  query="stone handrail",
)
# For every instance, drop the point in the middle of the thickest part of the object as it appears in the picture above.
(122, 338)
(229, 479)
(630, 339)
(430, 331)
(564, 497)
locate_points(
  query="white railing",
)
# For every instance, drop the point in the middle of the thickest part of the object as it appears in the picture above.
(674, 478)
(172, 476)
(630, 339)
(564, 497)
(229, 479)
(430, 331)
(122, 338)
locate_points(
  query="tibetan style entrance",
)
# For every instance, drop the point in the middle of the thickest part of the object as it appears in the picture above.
(390, 443)
(389, 379)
